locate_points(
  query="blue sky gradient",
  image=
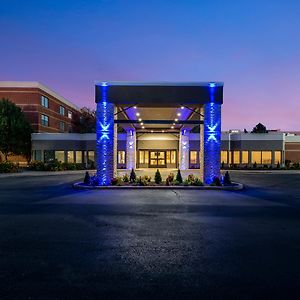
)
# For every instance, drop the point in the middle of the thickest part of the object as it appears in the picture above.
(252, 46)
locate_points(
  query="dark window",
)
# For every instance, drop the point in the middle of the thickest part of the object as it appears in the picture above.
(62, 126)
(45, 101)
(45, 120)
(62, 110)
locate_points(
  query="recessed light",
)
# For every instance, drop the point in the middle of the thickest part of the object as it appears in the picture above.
(143, 127)
(173, 123)
(134, 107)
(162, 131)
(172, 127)
(176, 120)
(151, 130)
(137, 114)
(179, 114)
(182, 107)
(140, 119)
(142, 123)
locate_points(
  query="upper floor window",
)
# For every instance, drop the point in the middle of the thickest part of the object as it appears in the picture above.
(62, 126)
(45, 120)
(62, 110)
(45, 101)
(69, 114)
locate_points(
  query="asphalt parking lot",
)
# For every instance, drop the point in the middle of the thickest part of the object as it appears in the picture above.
(60, 243)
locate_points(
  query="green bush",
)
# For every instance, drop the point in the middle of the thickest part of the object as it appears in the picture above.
(186, 182)
(54, 165)
(36, 166)
(116, 181)
(132, 176)
(157, 177)
(125, 178)
(8, 167)
(197, 182)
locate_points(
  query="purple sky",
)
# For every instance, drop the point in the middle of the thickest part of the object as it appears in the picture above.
(252, 46)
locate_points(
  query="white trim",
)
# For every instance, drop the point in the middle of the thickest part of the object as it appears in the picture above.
(36, 84)
(158, 83)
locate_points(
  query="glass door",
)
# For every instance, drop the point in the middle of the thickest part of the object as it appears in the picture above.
(157, 159)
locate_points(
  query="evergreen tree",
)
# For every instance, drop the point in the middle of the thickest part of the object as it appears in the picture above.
(132, 176)
(178, 176)
(227, 179)
(157, 177)
(259, 128)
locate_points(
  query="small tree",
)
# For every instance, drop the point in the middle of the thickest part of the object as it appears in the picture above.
(157, 177)
(179, 177)
(227, 179)
(259, 128)
(87, 178)
(132, 176)
(84, 121)
(15, 131)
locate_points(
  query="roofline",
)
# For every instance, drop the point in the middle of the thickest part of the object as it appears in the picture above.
(158, 83)
(36, 84)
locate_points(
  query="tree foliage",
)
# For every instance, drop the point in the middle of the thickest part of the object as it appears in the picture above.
(84, 121)
(15, 130)
(259, 128)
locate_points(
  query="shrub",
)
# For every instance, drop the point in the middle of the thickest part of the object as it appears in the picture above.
(146, 178)
(69, 166)
(157, 177)
(142, 181)
(132, 176)
(216, 181)
(186, 182)
(197, 182)
(8, 167)
(87, 178)
(191, 178)
(36, 165)
(255, 165)
(227, 179)
(178, 176)
(54, 166)
(125, 178)
(116, 181)
(278, 165)
(175, 182)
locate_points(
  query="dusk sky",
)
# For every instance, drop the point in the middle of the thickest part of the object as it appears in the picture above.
(252, 46)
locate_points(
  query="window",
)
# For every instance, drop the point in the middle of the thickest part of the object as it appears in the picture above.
(121, 157)
(143, 157)
(236, 157)
(266, 157)
(78, 157)
(224, 157)
(45, 101)
(91, 156)
(60, 156)
(277, 157)
(70, 156)
(49, 155)
(69, 114)
(62, 126)
(37, 155)
(171, 157)
(62, 110)
(256, 157)
(193, 157)
(245, 157)
(45, 120)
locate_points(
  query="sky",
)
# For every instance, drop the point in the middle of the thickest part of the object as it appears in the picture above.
(251, 46)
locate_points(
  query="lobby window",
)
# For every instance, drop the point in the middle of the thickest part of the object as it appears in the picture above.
(69, 114)
(45, 120)
(256, 157)
(121, 157)
(45, 101)
(236, 157)
(245, 157)
(78, 157)
(193, 157)
(62, 126)
(224, 157)
(277, 157)
(60, 156)
(70, 156)
(171, 157)
(91, 156)
(266, 157)
(143, 157)
(62, 110)
(37, 155)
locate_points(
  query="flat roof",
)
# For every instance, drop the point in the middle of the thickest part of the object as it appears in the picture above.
(159, 94)
(36, 84)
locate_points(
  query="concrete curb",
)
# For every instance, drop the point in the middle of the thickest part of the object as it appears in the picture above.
(236, 187)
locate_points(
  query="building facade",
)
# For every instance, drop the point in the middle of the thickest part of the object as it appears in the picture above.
(43, 108)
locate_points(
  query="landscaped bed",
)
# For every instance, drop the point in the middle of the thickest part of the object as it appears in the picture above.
(171, 182)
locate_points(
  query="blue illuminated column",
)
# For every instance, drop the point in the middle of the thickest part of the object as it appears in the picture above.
(212, 138)
(184, 146)
(131, 149)
(105, 138)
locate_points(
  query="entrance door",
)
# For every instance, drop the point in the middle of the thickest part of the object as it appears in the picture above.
(157, 159)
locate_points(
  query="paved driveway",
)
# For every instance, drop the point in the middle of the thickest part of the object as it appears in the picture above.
(60, 243)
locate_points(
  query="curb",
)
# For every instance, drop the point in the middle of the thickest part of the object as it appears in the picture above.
(236, 187)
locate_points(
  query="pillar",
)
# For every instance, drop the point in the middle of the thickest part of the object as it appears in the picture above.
(131, 149)
(212, 139)
(201, 145)
(184, 150)
(105, 139)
